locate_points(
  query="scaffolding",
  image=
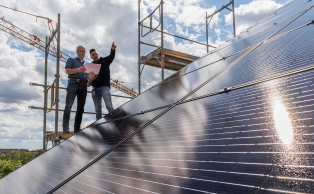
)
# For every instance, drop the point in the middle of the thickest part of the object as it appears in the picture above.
(173, 60)
(210, 17)
(33, 40)
(165, 58)
(54, 33)
(54, 136)
(57, 136)
(159, 58)
(39, 44)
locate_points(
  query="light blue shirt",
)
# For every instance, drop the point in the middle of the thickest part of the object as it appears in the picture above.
(74, 63)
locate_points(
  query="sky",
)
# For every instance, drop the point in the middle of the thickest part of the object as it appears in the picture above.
(96, 24)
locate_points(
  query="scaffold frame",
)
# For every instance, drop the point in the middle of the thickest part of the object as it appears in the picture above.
(210, 17)
(161, 57)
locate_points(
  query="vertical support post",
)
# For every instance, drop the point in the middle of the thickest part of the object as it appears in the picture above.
(57, 76)
(206, 33)
(139, 48)
(45, 94)
(233, 12)
(162, 40)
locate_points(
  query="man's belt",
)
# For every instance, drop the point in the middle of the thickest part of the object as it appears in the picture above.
(79, 80)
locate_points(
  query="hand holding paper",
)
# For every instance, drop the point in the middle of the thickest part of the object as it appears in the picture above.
(82, 69)
(91, 75)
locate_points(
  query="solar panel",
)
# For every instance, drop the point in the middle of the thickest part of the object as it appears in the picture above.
(225, 143)
(52, 168)
(288, 6)
(305, 19)
(251, 39)
(297, 8)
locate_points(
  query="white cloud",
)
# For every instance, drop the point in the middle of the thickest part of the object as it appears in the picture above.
(247, 15)
(180, 31)
(188, 13)
(17, 133)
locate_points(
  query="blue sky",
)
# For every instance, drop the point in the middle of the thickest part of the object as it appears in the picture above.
(98, 23)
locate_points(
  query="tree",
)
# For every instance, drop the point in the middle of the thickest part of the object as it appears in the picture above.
(5, 167)
(15, 159)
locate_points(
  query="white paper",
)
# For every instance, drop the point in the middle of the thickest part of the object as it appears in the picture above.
(92, 67)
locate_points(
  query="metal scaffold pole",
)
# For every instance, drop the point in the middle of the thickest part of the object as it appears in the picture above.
(162, 41)
(139, 47)
(210, 17)
(206, 33)
(233, 12)
(57, 76)
(45, 93)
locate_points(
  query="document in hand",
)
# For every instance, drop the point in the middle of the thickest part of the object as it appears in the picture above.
(92, 67)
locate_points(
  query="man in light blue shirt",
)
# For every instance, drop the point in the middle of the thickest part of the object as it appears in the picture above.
(77, 86)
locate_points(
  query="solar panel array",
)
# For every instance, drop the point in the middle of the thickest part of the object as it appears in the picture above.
(238, 120)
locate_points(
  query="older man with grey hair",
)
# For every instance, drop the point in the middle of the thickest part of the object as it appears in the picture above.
(77, 86)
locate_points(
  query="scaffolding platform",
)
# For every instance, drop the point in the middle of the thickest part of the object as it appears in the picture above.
(56, 138)
(173, 60)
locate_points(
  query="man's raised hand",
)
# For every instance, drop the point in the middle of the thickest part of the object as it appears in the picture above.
(113, 46)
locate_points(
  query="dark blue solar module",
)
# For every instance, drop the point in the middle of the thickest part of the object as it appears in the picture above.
(250, 140)
(56, 165)
(238, 120)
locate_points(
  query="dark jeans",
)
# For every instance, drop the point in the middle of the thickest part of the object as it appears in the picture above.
(74, 89)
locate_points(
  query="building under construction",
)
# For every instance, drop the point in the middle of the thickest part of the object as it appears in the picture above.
(238, 120)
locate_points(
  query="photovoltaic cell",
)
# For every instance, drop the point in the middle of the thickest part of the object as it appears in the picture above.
(306, 18)
(226, 143)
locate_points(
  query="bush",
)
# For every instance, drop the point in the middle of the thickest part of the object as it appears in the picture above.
(13, 160)
(6, 167)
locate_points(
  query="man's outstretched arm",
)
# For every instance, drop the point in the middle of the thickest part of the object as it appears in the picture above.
(112, 52)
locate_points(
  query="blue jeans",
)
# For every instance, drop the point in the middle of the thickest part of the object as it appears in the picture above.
(97, 94)
(74, 89)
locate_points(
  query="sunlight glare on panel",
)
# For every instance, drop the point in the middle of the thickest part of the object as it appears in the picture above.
(282, 123)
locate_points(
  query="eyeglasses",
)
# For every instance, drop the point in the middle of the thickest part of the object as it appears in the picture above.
(94, 55)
